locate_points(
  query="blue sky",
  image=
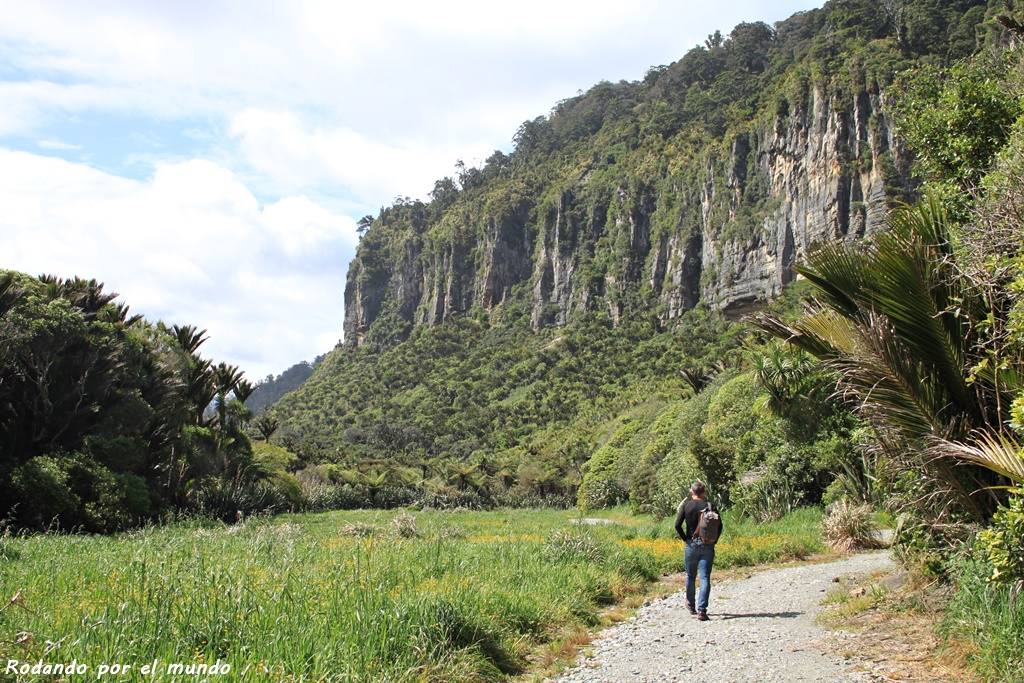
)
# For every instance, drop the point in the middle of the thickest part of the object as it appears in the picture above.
(208, 159)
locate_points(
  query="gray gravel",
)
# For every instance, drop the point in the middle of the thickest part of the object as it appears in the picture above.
(762, 628)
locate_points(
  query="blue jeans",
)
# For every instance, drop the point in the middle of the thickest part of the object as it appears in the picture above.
(698, 558)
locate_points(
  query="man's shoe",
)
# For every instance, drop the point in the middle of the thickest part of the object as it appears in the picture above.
(689, 606)
(703, 616)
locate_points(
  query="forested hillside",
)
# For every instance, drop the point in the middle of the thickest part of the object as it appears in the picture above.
(705, 181)
(537, 329)
(790, 264)
(270, 389)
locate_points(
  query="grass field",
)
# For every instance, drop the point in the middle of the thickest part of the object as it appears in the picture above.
(342, 596)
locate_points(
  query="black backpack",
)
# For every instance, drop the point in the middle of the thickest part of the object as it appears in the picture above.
(709, 526)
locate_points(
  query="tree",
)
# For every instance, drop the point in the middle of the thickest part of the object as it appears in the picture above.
(465, 475)
(786, 374)
(955, 120)
(444, 193)
(105, 412)
(266, 424)
(894, 321)
(189, 337)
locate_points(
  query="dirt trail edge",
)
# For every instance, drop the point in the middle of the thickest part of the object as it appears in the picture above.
(762, 628)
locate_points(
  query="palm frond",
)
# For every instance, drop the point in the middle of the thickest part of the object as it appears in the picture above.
(837, 273)
(1000, 453)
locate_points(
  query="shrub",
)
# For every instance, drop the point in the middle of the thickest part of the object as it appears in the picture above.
(666, 504)
(290, 489)
(571, 545)
(359, 530)
(449, 498)
(1003, 543)
(348, 497)
(764, 499)
(41, 484)
(317, 495)
(230, 499)
(404, 526)
(451, 531)
(391, 497)
(121, 500)
(519, 498)
(847, 528)
(602, 493)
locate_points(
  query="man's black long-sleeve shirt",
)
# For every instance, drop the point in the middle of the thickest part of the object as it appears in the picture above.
(689, 511)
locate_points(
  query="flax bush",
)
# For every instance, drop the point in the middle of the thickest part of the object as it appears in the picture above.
(404, 526)
(359, 529)
(573, 545)
(848, 527)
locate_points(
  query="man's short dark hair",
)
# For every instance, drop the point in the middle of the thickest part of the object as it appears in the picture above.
(697, 488)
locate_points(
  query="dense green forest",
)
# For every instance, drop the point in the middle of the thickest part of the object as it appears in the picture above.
(108, 421)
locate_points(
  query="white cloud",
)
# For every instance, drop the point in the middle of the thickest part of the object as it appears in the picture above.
(279, 146)
(301, 226)
(57, 144)
(191, 245)
(397, 70)
(298, 108)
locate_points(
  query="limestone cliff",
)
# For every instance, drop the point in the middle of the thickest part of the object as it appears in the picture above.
(708, 181)
(822, 173)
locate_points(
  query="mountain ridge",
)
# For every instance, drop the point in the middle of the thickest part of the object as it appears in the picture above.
(561, 320)
(704, 182)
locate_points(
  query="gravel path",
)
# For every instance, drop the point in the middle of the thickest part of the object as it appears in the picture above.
(762, 628)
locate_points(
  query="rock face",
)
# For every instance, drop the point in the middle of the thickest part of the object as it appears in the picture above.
(826, 173)
(725, 226)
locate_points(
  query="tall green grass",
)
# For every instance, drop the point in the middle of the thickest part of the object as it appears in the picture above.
(341, 596)
(986, 621)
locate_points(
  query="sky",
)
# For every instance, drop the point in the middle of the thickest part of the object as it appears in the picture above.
(208, 159)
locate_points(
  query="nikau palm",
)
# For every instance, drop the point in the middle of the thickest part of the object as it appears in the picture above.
(895, 322)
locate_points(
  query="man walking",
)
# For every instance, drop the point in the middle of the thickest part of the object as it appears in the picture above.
(699, 556)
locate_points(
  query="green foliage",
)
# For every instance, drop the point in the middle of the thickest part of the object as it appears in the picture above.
(892, 320)
(957, 119)
(730, 419)
(526, 408)
(41, 487)
(989, 617)
(1002, 543)
(766, 499)
(271, 457)
(573, 546)
(338, 595)
(607, 472)
(850, 527)
(100, 412)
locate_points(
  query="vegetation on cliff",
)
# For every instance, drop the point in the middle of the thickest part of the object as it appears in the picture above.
(549, 325)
